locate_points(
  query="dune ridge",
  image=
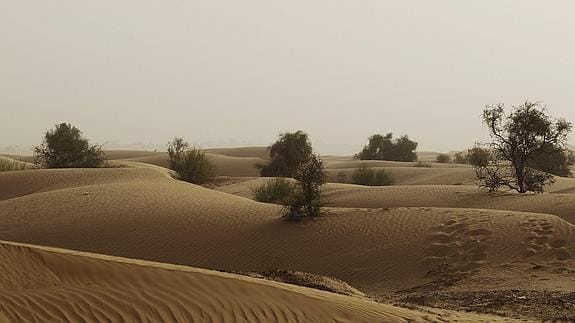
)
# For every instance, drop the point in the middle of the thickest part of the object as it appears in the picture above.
(47, 284)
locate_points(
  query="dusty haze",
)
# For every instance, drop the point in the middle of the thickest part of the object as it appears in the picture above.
(225, 73)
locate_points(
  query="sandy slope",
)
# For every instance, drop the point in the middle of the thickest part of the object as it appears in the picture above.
(259, 152)
(46, 284)
(452, 196)
(225, 165)
(141, 213)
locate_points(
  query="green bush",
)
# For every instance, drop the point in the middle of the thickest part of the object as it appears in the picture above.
(190, 164)
(422, 164)
(372, 177)
(305, 200)
(276, 190)
(7, 164)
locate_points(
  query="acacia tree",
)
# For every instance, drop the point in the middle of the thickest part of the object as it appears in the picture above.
(516, 139)
(287, 154)
(64, 147)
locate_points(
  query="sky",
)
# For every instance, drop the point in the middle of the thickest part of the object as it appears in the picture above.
(236, 73)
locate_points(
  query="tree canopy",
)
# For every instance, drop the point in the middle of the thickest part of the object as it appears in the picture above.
(64, 147)
(287, 154)
(382, 147)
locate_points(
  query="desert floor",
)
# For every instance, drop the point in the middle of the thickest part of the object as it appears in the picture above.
(129, 243)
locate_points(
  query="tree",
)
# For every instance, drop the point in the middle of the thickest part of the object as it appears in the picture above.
(287, 154)
(517, 139)
(306, 198)
(461, 158)
(189, 163)
(554, 161)
(478, 156)
(382, 147)
(64, 147)
(443, 159)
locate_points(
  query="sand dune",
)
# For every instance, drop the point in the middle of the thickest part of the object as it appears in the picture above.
(46, 284)
(259, 152)
(451, 196)
(225, 165)
(140, 213)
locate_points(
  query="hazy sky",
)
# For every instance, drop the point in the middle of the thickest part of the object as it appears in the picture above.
(238, 72)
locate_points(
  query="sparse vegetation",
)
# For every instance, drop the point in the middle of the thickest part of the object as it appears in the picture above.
(287, 154)
(305, 201)
(189, 163)
(276, 190)
(372, 177)
(443, 159)
(64, 147)
(422, 164)
(385, 148)
(517, 139)
(7, 164)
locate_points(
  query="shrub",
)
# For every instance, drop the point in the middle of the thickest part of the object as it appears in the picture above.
(190, 164)
(422, 164)
(7, 164)
(276, 190)
(64, 147)
(305, 201)
(443, 159)
(287, 154)
(372, 177)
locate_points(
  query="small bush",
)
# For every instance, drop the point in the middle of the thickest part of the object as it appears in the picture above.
(422, 164)
(276, 190)
(305, 201)
(7, 164)
(190, 164)
(372, 177)
(443, 159)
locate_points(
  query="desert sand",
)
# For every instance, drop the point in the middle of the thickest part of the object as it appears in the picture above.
(433, 242)
(48, 284)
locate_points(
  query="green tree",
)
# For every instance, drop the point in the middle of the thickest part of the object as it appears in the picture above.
(64, 147)
(287, 154)
(517, 139)
(553, 160)
(381, 147)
